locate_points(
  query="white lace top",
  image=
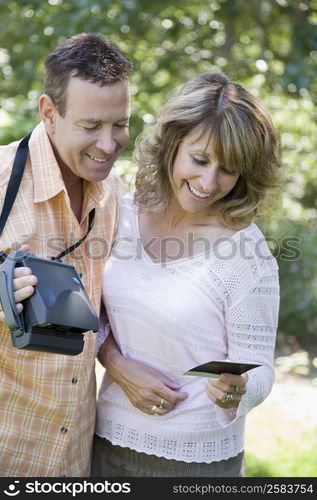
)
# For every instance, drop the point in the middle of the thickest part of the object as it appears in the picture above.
(181, 314)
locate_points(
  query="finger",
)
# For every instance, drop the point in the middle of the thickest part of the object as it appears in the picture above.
(181, 396)
(219, 397)
(227, 382)
(164, 405)
(169, 383)
(24, 281)
(158, 405)
(22, 271)
(25, 247)
(157, 411)
(171, 396)
(23, 293)
(237, 389)
(155, 400)
(214, 393)
(227, 403)
(19, 308)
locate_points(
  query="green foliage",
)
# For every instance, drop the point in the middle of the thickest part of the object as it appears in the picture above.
(285, 460)
(281, 433)
(270, 46)
(294, 244)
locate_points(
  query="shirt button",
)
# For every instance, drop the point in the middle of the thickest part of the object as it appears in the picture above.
(74, 380)
(64, 430)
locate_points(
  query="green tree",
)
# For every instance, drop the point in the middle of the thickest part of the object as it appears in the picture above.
(270, 46)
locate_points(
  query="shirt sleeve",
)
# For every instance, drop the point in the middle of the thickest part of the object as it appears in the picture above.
(251, 325)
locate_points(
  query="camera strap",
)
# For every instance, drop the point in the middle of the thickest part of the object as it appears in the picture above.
(12, 190)
(91, 218)
(15, 180)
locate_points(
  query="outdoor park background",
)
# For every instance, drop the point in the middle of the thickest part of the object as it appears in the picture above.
(270, 47)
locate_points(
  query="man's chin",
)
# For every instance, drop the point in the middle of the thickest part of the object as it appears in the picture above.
(99, 176)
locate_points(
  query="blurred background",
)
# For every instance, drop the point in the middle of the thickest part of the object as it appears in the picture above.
(270, 46)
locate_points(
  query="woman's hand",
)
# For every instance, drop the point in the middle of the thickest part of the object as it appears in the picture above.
(148, 389)
(227, 390)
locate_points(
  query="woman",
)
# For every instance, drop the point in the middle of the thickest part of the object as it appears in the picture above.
(190, 280)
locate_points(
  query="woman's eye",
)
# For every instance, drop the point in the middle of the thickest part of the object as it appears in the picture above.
(226, 170)
(124, 125)
(199, 161)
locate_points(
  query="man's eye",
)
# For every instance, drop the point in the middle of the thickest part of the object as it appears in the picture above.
(120, 125)
(90, 129)
(199, 161)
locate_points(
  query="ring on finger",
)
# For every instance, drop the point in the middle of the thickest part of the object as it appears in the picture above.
(237, 389)
(161, 403)
(154, 410)
(228, 398)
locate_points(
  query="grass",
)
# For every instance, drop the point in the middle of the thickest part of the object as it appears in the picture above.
(284, 456)
(280, 442)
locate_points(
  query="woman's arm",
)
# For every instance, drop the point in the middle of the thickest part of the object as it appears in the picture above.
(251, 325)
(143, 385)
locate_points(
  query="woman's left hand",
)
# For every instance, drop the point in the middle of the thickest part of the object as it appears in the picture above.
(227, 390)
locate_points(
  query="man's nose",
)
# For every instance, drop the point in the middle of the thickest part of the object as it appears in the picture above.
(106, 142)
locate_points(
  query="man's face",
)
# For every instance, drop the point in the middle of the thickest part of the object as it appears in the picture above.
(94, 131)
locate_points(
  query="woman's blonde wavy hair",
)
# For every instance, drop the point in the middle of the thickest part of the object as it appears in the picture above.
(242, 135)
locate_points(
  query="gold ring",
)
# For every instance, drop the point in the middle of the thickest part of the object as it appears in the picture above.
(154, 409)
(161, 403)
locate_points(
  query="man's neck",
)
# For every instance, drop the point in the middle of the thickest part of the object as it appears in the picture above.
(75, 192)
(73, 184)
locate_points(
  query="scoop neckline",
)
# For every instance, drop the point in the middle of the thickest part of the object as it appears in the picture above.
(183, 259)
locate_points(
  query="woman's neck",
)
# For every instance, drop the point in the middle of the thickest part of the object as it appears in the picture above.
(176, 218)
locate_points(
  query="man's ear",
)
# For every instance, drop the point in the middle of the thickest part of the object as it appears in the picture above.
(48, 112)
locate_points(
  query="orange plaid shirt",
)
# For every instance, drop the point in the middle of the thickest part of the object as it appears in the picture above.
(47, 401)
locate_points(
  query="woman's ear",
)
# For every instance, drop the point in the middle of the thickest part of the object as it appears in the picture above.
(48, 112)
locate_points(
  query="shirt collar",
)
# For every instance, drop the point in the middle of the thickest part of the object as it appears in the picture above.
(47, 177)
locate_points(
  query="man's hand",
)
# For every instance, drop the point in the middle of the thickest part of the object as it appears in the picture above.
(23, 284)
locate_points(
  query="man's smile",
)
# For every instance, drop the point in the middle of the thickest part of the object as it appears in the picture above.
(97, 159)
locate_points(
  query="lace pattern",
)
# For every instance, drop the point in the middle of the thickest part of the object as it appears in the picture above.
(184, 313)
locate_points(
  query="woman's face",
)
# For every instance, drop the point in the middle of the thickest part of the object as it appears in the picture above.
(198, 179)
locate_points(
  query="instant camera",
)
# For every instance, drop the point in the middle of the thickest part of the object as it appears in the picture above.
(55, 317)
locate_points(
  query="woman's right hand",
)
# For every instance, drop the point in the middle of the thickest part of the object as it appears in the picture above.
(145, 386)
(23, 284)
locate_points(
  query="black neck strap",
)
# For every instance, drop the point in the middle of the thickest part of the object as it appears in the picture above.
(15, 180)
(12, 190)
(91, 219)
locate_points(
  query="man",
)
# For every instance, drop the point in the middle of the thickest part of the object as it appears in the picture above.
(47, 401)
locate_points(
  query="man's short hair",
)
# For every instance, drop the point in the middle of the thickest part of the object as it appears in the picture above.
(88, 56)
